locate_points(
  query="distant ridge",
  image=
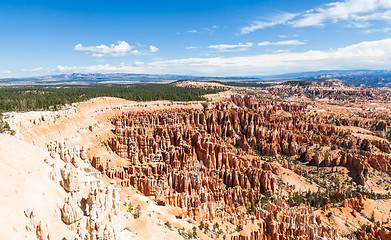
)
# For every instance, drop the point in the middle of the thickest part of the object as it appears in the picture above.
(91, 78)
(311, 74)
(364, 77)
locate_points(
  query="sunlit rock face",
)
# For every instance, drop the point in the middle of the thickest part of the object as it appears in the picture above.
(90, 216)
(205, 160)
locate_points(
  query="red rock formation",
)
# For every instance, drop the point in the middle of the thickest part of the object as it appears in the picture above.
(279, 221)
(375, 231)
(203, 160)
(180, 158)
(339, 195)
(292, 168)
(42, 230)
(354, 203)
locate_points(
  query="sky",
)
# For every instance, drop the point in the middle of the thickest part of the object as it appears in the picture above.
(203, 38)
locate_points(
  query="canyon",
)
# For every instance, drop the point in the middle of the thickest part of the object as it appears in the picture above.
(248, 165)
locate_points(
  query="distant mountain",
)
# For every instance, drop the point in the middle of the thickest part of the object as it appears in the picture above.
(360, 78)
(96, 78)
(374, 78)
(297, 75)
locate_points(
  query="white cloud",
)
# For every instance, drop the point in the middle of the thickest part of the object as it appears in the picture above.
(356, 12)
(228, 47)
(281, 18)
(385, 15)
(138, 63)
(287, 42)
(38, 69)
(153, 49)
(204, 30)
(370, 54)
(192, 47)
(383, 30)
(286, 36)
(135, 52)
(358, 24)
(280, 51)
(122, 49)
(211, 29)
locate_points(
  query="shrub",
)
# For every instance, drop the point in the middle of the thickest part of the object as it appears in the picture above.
(168, 225)
(137, 212)
(130, 207)
(216, 226)
(194, 232)
(202, 226)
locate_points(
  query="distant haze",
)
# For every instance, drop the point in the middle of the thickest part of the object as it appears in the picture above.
(373, 78)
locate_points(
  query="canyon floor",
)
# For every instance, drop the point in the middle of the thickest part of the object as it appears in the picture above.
(298, 160)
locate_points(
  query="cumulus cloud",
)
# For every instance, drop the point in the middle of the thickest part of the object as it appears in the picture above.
(192, 31)
(356, 12)
(234, 47)
(153, 49)
(370, 54)
(135, 52)
(121, 49)
(287, 42)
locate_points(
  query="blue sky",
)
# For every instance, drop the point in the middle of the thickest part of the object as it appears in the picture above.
(215, 38)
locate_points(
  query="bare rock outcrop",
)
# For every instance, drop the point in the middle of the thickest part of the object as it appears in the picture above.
(70, 211)
(42, 230)
(90, 216)
(39, 228)
(354, 203)
(204, 161)
(179, 158)
(69, 176)
(279, 221)
(375, 231)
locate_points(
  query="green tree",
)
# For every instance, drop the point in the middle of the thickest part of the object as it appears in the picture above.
(137, 212)
(216, 227)
(130, 207)
(202, 226)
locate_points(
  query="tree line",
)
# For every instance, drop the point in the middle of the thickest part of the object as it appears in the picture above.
(51, 97)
